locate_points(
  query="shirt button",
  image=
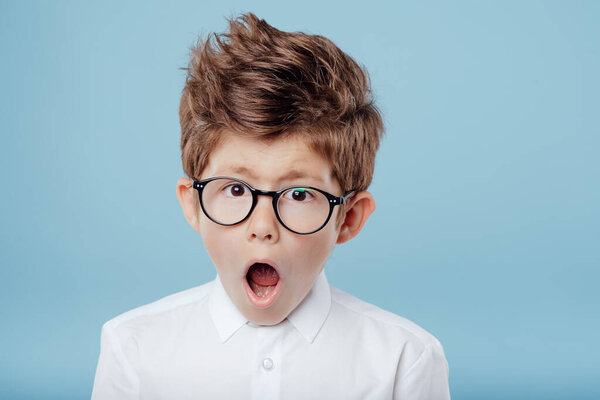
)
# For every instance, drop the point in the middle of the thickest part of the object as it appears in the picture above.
(267, 363)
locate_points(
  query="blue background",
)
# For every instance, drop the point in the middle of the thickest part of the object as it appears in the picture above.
(487, 182)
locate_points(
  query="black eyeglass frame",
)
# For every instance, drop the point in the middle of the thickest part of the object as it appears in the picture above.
(275, 195)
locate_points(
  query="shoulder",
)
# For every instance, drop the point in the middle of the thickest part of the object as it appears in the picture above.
(159, 309)
(395, 331)
(409, 348)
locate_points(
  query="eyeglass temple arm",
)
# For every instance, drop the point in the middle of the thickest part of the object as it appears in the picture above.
(344, 198)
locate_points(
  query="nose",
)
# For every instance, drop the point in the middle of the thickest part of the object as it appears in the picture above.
(262, 223)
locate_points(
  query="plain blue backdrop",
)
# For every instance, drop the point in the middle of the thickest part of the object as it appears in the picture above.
(487, 182)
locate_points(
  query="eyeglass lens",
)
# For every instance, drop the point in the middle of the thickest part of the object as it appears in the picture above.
(301, 209)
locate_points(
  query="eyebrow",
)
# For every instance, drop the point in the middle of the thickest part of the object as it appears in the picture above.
(290, 175)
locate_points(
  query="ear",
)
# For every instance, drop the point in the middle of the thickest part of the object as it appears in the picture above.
(186, 196)
(360, 207)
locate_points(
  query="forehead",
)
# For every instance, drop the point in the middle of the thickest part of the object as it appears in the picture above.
(268, 161)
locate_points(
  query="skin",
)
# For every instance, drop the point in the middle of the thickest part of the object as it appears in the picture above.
(271, 165)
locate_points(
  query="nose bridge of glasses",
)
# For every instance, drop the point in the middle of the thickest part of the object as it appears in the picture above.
(267, 193)
(263, 217)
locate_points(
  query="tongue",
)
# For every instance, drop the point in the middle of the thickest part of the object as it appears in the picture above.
(263, 274)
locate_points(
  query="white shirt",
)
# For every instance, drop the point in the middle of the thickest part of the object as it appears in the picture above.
(195, 344)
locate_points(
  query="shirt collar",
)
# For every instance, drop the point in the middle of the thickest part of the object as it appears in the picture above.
(224, 314)
(311, 313)
(308, 317)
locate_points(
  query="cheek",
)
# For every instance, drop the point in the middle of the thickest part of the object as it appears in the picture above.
(218, 244)
(326, 239)
(315, 249)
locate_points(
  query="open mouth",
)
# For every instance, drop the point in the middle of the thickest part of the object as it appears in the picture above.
(263, 284)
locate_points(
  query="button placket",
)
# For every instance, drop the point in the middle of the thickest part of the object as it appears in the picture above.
(267, 380)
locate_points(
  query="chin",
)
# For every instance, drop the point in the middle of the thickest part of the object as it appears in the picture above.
(265, 318)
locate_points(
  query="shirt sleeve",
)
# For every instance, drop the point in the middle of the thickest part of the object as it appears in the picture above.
(115, 376)
(426, 379)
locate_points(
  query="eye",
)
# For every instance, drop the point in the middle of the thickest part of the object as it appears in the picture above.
(299, 194)
(235, 190)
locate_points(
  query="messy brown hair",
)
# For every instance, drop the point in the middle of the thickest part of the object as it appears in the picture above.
(262, 82)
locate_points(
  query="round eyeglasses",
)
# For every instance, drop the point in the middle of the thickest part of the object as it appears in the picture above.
(300, 209)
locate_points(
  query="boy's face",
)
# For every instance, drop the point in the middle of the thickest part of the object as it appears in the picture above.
(298, 259)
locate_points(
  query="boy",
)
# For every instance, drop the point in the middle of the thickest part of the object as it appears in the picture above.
(279, 135)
